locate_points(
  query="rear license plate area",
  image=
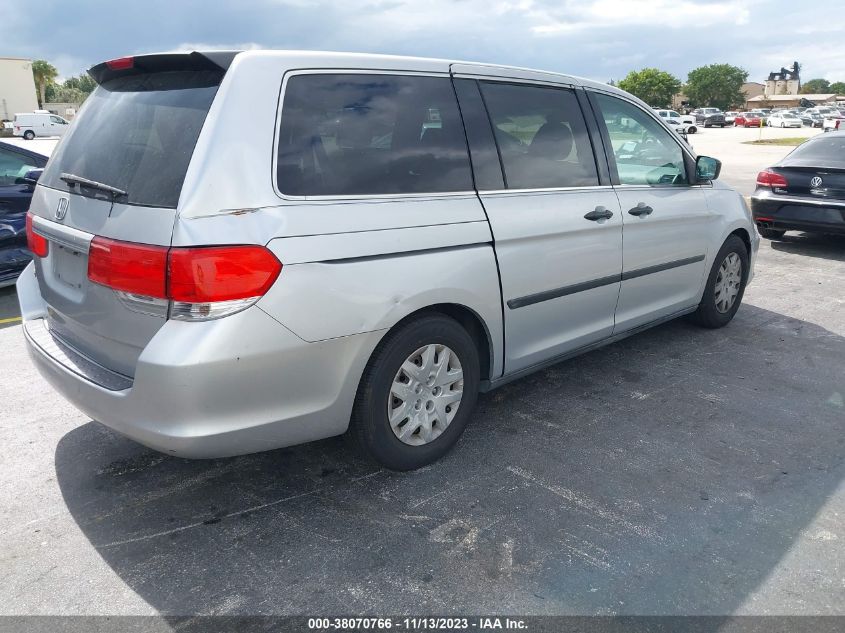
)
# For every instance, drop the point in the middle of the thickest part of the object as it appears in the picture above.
(69, 265)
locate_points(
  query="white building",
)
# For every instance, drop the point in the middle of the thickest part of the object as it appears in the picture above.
(17, 87)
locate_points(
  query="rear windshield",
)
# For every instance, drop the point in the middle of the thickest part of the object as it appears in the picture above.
(827, 151)
(137, 134)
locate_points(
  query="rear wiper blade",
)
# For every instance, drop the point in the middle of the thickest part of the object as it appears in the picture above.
(79, 180)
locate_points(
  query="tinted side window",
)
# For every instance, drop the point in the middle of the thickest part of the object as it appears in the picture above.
(14, 166)
(371, 134)
(646, 153)
(542, 136)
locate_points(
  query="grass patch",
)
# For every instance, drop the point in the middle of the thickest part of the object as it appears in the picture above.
(791, 141)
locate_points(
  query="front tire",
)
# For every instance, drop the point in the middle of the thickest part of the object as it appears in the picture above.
(417, 393)
(725, 285)
(692, 129)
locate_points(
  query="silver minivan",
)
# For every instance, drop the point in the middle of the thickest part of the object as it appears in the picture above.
(238, 251)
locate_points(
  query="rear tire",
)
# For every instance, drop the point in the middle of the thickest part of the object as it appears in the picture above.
(725, 285)
(771, 234)
(427, 420)
(29, 135)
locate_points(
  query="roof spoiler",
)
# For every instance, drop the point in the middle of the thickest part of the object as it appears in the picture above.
(161, 62)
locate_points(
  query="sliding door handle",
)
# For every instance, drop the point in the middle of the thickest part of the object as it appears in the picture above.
(599, 213)
(641, 209)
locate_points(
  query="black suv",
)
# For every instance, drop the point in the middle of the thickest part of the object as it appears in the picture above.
(708, 117)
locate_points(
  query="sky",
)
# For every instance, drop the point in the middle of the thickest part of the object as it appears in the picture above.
(599, 39)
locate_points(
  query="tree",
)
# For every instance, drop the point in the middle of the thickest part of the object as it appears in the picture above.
(63, 94)
(654, 86)
(71, 90)
(837, 87)
(716, 85)
(83, 83)
(815, 86)
(44, 73)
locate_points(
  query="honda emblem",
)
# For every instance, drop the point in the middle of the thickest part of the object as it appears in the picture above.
(61, 209)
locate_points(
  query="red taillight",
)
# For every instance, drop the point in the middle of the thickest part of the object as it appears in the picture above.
(121, 63)
(136, 268)
(221, 273)
(203, 274)
(34, 242)
(768, 178)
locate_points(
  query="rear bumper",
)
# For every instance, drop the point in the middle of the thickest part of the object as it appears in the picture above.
(237, 385)
(794, 213)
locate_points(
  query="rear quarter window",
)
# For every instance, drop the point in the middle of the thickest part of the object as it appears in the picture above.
(356, 134)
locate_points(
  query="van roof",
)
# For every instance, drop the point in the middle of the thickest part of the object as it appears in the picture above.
(223, 59)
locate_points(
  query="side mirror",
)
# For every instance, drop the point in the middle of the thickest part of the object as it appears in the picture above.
(707, 168)
(31, 177)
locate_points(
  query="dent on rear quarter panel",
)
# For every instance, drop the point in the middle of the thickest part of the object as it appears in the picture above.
(321, 300)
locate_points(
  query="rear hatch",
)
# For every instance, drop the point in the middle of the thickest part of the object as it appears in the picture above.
(118, 174)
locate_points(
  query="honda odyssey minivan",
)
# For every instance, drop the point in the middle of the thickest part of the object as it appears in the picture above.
(238, 251)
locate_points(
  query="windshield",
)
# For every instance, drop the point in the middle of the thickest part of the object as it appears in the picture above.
(136, 134)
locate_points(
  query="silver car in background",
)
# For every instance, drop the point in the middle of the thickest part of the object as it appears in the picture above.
(238, 251)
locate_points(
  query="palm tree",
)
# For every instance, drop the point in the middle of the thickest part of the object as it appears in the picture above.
(44, 73)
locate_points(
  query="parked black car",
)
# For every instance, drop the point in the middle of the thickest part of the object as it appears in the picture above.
(708, 117)
(811, 119)
(805, 191)
(19, 170)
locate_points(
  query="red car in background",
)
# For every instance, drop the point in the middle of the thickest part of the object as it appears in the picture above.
(748, 119)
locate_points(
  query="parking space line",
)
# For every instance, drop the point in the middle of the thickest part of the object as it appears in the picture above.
(10, 320)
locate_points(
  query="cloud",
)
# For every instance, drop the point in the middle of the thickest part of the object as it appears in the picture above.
(593, 38)
(604, 14)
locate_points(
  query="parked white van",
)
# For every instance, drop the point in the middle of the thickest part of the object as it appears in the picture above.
(385, 238)
(39, 123)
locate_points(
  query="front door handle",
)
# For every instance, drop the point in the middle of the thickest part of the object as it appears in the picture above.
(599, 213)
(641, 209)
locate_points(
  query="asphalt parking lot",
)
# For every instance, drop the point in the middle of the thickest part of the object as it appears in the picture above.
(681, 471)
(742, 162)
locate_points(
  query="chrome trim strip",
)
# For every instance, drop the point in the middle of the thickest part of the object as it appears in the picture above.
(65, 235)
(556, 293)
(544, 190)
(814, 202)
(38, 333)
